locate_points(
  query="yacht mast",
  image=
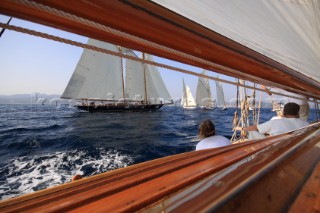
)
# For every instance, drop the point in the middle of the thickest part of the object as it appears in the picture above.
(145, 80)
(121, 67)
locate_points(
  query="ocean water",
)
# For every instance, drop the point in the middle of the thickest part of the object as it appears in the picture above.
(45, 145)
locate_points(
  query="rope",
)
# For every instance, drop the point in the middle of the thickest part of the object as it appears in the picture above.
(316, 107)
(118, 54)
(121, 34)
(98, 49)
(253, 97)
(259, 109)
(141, 41)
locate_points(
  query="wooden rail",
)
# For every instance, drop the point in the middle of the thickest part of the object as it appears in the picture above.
(242, 177)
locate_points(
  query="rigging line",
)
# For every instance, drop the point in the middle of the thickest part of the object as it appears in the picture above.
(98, 49)
(122, 78)
(253, 98)
(3, 29)
(260, 101)
(316, 106)
(136, 39)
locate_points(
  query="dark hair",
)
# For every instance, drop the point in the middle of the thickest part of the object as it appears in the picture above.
(291, 109)
(206, 129)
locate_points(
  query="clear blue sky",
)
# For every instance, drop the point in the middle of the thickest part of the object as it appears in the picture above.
(31, 64)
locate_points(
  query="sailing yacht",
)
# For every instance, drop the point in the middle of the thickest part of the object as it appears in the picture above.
(100, 83)
(203, 94)
(220, 96)
(187, 100)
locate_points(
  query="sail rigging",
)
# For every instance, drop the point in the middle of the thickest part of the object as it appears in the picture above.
(136, 74)
(96, 75)
(100, 77)
(204, 36)
(287, 32)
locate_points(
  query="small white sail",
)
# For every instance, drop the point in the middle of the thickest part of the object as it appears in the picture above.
(220, 96)
(187, 100)
(97, 75)
(203, 94)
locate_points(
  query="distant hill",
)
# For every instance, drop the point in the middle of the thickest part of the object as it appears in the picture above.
(28, 98)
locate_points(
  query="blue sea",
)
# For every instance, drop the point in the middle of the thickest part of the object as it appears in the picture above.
(45, 145)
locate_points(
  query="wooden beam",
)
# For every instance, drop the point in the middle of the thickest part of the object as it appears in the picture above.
(151, 22)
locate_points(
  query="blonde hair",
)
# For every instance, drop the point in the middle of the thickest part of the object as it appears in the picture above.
(206, 129)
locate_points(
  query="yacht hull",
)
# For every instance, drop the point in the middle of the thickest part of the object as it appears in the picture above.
(120, 108)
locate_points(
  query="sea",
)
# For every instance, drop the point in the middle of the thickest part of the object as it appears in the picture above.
(42, 146)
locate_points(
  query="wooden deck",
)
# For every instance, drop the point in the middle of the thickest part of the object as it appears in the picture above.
(264, 176)
(309, 197)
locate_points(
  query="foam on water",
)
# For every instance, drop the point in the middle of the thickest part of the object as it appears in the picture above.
(29, 174)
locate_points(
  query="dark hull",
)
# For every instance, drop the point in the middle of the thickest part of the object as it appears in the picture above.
(121, 108)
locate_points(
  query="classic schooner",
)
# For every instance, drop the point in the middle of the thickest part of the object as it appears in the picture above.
(274, 43)
(101, 84)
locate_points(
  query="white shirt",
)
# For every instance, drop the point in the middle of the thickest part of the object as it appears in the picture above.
(282, 125)
(213, 142)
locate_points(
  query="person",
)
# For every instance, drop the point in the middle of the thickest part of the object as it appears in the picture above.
(76, 177)
(288, 122)
(302, 102)
(209, 139)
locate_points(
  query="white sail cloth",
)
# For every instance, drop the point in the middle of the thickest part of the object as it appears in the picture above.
(203, 94)
(156, 91)
(187, 100)
(97, 75)
(287, 31)
(220, 95)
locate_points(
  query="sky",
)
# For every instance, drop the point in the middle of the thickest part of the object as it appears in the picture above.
(31, 64)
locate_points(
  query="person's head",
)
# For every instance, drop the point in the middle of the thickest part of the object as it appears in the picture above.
(76, 177)
(206, 129)
(291, 109)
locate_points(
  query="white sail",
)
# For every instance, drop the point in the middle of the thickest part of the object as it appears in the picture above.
(187, 100)
(220, 95)
(97, 75)
(287, 31)
(203, 94)
(157, 90)
(134, 88)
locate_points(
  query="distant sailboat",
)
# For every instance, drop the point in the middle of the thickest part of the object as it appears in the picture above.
(187, 100)
(220, 96)
(203, 94)
(99, 82)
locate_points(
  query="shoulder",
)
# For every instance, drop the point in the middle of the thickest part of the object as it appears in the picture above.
(213, 142)
(302, 122)
(219, 139)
